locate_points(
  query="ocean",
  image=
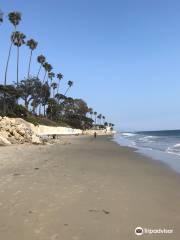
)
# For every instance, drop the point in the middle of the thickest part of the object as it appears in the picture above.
(159, 145)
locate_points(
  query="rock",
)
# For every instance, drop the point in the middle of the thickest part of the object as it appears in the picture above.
(20, 130)
(4, 134)
(17, 130)
(35, 139)
(17, 135)
(12, 129)
(4, 141)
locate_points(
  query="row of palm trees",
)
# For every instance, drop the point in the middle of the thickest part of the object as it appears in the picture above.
(18, 39)
(97, 116)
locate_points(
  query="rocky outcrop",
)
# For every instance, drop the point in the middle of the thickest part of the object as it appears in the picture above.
(16, 130)
(4, 141)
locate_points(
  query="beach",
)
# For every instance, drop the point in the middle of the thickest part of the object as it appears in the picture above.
(84, 188)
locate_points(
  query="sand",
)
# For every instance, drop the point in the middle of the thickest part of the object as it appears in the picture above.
(85, 189)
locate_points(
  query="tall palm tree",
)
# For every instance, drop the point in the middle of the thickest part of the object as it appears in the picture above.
(41, 60)
(60, 77)
(1, 16)
(18, 40)
(106, 124)
(70, 84)
(90, 110)
(99, 117)
(51, 75)
(54, 86)
(47, 68)
(14, 18)
(32, 44)
(95, 116)
(103, 117)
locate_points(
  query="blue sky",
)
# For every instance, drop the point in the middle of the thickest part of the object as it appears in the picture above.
(123, 56)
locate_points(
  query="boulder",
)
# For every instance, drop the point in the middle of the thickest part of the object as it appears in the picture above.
(4, 141)
(35, 139)
(5, 134)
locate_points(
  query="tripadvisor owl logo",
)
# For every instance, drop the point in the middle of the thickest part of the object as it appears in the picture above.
(139, 231)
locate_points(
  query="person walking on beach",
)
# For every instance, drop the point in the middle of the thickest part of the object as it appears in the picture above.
(95, 134)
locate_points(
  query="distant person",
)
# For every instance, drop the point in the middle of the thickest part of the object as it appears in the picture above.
(95, 134)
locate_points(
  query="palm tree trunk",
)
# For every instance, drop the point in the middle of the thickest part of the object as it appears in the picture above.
(66, 91)
(26, 103)
(58, 87)
(17, 81)
(29, 64)
(33, 109)
(39, 109)
(44, 110)
(7, 64)
(44, 76)
(39, 70)
(5, 78)
(41, 92)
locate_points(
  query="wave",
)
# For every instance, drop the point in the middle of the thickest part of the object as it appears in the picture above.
(128, 134)
(177, 145)
(174, 149)
(149, 139)
(154, 140)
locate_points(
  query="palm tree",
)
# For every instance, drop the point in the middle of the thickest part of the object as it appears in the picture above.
(41, 60)
(54, 86)
(1, 16)
(45, 65)
(95, 115)
(32, 44)
(48, 69)
(51, 75)
(99, 117)
(14, 18)
(70, 84)
(59, 97)
(60, 77)
(18, 40)
(90, 110)
(103, 117)
(105, 124)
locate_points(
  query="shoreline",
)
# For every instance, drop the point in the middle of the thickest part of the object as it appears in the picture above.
(171, 160)
(85, 188)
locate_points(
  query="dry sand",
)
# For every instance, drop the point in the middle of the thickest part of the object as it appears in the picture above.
(85, 189)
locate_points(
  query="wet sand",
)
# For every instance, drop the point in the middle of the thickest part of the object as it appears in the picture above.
(85, 189)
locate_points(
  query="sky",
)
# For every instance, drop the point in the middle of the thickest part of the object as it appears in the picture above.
(123, 55)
